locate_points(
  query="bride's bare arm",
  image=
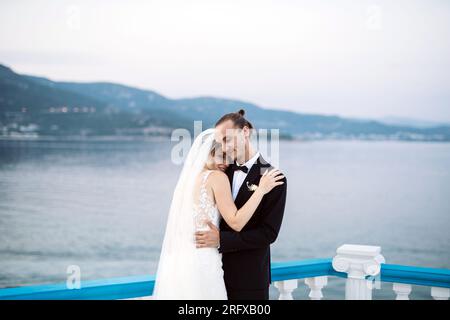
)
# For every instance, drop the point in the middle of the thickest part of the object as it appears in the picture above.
(235, 218)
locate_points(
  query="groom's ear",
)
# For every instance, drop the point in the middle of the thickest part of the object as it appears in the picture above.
(246, 130)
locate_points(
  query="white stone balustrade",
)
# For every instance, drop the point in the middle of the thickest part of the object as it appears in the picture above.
(316, 285)
(440, 293)
(402, 291)
(285, 288)
(358, 262)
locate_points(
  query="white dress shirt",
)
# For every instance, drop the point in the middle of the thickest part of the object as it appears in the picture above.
(239, 175)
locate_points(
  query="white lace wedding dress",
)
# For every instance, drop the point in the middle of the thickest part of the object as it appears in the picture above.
(209, 258)
(184, 271)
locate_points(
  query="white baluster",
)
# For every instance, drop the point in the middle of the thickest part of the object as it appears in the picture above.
(402, 290)
(285, 288)
(316, 284)
(358, 262)
(439, 293)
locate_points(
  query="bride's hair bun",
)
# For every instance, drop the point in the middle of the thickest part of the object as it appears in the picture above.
(241, 112)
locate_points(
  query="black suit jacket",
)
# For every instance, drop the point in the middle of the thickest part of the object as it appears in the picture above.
(246, 254)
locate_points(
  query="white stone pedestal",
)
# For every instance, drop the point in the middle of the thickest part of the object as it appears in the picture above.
(358, 262)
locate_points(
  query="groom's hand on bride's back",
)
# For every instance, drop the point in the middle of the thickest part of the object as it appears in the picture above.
(209, 238)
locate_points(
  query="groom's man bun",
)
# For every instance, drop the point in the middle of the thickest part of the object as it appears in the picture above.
(237, 118)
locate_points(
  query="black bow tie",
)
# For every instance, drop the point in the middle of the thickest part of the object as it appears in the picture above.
(238, 167)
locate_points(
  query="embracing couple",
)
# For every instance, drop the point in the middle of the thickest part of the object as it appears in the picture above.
(226, 210)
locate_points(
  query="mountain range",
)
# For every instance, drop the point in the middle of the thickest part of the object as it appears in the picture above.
(36, 106)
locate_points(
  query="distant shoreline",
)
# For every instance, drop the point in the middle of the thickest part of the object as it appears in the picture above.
(162, 138)
(84, 138)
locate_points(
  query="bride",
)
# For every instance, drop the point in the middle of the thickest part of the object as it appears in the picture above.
(202, 195)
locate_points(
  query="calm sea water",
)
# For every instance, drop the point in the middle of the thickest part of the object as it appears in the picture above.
(103, 206)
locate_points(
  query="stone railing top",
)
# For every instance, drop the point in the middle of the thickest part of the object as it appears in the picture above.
(359, 250)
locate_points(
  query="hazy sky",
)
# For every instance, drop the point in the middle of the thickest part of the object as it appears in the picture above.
(353, 58)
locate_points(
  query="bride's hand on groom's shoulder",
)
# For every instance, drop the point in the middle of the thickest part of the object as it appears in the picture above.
(269, 180)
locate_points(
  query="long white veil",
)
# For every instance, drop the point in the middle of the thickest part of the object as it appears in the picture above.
(176, 276)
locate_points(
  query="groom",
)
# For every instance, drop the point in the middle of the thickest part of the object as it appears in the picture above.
(245, 254)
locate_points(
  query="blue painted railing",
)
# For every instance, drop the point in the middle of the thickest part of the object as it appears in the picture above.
(140, 286)
(107, 289)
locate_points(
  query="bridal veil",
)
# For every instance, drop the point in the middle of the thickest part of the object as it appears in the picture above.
(176, 276)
